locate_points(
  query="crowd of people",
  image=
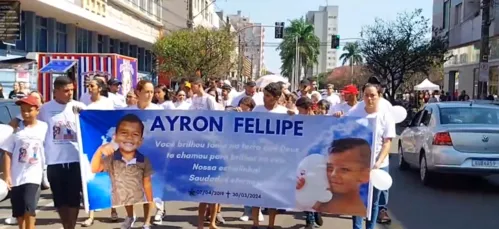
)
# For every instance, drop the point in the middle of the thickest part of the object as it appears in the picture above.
(34, 144)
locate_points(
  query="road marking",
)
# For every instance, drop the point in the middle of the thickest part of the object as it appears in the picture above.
(44, 204)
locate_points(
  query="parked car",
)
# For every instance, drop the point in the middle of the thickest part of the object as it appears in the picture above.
(451, 137)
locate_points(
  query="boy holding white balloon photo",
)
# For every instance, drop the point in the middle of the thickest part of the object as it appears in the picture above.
(348, 167)
(24, 159)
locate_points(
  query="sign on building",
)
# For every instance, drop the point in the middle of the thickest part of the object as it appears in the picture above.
(10, 20)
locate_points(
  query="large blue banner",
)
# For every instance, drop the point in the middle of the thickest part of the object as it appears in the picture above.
(255, 159)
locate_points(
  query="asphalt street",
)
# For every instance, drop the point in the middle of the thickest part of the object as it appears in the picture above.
(458, 202)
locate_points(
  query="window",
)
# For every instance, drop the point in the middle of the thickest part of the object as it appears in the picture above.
(142, 5)
(4, 115)
(158, 10)
(458, 14)
(61, 37)
(41, 34)
(141, 59)
(148, 63)
(463, 58)
(469, 115)
(112, 47)
(83, 41)
(100, 43)
(149, 7)
(446, 21)
(21, 43)
(122, 48)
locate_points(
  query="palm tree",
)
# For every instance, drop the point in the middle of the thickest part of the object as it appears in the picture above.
(352, 54)
(308, 46)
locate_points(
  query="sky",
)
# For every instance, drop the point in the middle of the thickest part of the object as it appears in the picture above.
(352, 16)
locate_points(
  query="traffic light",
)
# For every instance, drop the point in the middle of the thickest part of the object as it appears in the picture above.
(279, 30)
(335, 42)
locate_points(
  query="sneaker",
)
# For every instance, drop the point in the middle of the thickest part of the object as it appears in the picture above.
(11, 221)
(244, 218)
(318, 218)
(146, 227)
(158, 218)
(128, 223)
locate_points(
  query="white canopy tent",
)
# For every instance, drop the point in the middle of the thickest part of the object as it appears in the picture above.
(426, 85)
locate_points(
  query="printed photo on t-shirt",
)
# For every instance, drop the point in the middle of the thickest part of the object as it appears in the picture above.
(23, 153)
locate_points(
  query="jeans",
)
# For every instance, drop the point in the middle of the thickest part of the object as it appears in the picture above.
(370, 224)
(383, 199)
(247, 210)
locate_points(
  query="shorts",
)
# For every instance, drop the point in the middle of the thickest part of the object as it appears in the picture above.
(65, 183)
(24, 199)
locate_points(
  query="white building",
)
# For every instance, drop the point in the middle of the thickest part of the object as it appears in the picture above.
(127, 27)
(462, 21)
(251, 36)
(325, 21)
(204, 14)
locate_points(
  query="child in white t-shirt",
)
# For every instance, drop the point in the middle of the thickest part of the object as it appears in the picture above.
(24, 161)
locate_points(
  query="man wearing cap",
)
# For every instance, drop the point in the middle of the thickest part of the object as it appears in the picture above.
(24, 160)
(249, 90)
(350, 93)
(331, 97)
(118, 99)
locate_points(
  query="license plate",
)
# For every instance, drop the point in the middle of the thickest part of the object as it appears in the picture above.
(485, 163)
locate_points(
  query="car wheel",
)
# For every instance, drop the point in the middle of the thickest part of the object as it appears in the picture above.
(426, 176)
(403, 165)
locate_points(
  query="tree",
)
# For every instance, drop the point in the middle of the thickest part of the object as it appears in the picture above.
(308, 46)
(396, 50)
(188, 52)
(351, 55)
(435, 75)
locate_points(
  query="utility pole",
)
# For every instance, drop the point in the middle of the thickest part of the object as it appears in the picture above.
(240, 58)
(484, 50)
(190, 14)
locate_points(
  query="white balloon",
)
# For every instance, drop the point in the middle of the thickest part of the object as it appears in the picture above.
(6, 131)
(399, 113)
(4, 190)
(381, 179)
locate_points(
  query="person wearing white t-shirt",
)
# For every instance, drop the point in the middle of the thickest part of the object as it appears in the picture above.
(249, 90)
(226, 99)
(203, 101)
(117, 98)
(271, 95)
(98, 100)
(385, 132)
(350, 93)
(98, 90)
(24, 162)
(331, 97)
(62, 151)
(180, 103)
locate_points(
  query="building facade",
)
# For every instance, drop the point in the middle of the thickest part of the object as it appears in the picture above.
(175, 14)
(127, 27)
(325, 21)
(461, 20)
(251, 36)
(204, 14)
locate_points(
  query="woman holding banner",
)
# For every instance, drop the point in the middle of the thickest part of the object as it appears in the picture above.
(385, 132)
(145, 92)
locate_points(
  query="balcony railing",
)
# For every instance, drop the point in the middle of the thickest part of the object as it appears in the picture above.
(98, 7)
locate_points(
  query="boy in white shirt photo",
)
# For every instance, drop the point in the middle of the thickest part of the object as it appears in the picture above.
(24, 161)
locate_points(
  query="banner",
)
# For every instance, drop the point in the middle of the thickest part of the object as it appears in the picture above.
(253, 159)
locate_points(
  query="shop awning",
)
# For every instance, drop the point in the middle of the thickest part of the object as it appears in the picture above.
(58, 66)
(12, 62)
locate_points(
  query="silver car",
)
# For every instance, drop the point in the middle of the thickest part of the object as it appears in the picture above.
(451, 137)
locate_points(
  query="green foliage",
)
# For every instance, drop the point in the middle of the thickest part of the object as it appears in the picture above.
(396, 50)
(308, 46)
(185, 52)
(351, 54)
